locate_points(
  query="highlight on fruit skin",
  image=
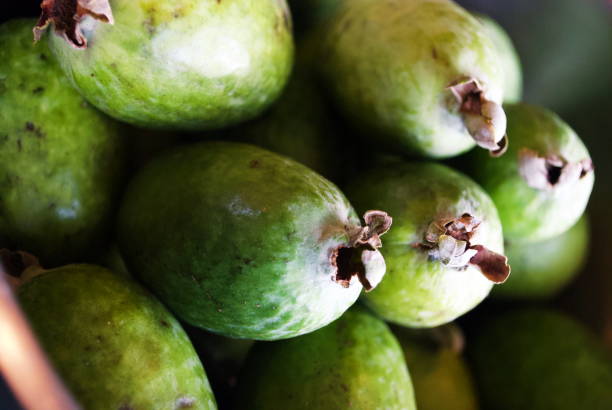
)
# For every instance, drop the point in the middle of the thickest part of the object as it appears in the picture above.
(421, 77)
(286, 255)
(542, 185)
(445, 251)
(173, 64)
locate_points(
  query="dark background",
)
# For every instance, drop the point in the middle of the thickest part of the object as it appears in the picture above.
(566, 51)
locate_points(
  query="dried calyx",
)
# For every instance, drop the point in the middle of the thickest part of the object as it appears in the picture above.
(66, 16)
(485, 120)
(18, 267)
(350, 260)
(448, 241)
(552, 171)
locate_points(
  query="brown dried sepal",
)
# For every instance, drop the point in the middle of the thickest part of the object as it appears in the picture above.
(348, 259)
(552, 171)
(66, 16)
(485, 120)
(449, 242)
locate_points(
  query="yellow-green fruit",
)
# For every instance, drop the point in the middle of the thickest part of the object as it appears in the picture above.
(440, 375)
(354, 363)
(114, 345)
(420, 76)
(189, 64)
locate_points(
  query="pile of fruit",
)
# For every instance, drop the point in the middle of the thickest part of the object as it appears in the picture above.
(305, 210)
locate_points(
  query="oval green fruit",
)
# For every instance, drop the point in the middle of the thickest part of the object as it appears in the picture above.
(542, 185)
(115, 346)
(355, 363)
(419, 76)
(513, 75)
(444, 251)
(61, 161)
(440, 375)
(187, 64)
(247, 243)
(539, 359)
(540, 270)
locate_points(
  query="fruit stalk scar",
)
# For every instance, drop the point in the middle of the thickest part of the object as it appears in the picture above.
(66, 16)
(551, 172)
(22, 362)
(350, 260)
(485, 120)
(448, 241)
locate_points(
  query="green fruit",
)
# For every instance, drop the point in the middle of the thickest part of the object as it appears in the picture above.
(180, 64)
(513, 75)
(541, 270)
(113, 344)
(61, 161)
(542, 185)
(354, 363)
(444, 251)
(441, 378)
(247, 243)
(420, 76)
(540, 360)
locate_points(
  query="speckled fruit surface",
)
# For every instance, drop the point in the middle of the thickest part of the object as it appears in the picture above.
(61, 161)
(114, 345)
(241, 241)
(187, 64)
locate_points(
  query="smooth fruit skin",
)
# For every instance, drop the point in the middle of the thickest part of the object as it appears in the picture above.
(114, 345)
(417, 291)
(440, 375)
(187, 64)
(355, 363)
(238, 240)
(539, 359)
(61, 161)
(540, 270)
(513, 74)
(389, 65)
(529, 214)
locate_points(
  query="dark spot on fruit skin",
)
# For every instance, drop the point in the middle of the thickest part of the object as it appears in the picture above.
(434, 53)
(43, 57)
(254, 164)
(38, 90)
(164, 323)
(19, 146)
(31, 127)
